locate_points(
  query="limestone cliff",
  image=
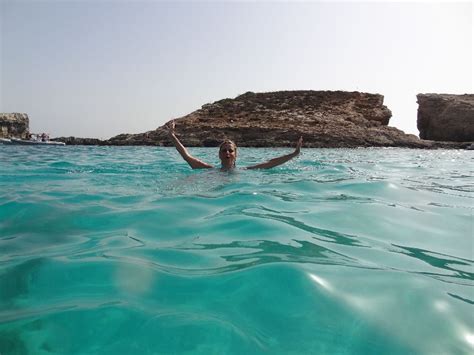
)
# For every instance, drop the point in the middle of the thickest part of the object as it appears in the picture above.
(14, 125)
(323, 118)
(443, 117)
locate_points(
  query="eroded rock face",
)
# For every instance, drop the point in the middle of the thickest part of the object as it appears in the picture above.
(443, 117)
(14, 125)
(324, 119)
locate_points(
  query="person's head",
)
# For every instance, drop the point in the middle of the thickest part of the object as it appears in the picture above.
(228, 154)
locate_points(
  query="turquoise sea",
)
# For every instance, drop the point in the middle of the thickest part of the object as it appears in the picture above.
(126, 250)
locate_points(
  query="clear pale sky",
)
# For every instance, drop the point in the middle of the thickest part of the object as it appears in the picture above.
(100, 68)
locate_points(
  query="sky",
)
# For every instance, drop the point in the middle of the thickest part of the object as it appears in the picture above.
(100, 68)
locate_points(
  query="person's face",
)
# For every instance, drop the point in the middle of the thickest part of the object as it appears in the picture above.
(227, 154)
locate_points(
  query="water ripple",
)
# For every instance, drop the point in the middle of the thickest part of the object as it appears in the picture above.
(370, 249)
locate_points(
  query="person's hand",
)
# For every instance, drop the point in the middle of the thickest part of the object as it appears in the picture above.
(171, 126)
(299, 143)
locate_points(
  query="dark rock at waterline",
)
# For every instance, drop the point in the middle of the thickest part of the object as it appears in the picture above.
(14, 125)
(444, 117)
(79, 141)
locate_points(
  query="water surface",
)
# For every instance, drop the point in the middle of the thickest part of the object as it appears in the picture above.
(122, 250)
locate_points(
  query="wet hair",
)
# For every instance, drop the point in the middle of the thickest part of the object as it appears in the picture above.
(228, 142)
(231, 144)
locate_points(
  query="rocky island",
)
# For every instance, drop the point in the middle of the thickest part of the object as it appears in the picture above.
(325, 119)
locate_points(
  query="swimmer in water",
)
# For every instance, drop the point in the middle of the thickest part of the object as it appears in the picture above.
(227, 154)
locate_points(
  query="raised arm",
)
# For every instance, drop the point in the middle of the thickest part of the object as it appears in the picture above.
(192, 161)
(280, 160)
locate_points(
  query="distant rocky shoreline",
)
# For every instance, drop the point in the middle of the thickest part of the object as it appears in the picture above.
(14, 125)
(325, 119)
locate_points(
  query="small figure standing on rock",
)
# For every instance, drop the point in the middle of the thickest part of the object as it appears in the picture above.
(227, 154)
